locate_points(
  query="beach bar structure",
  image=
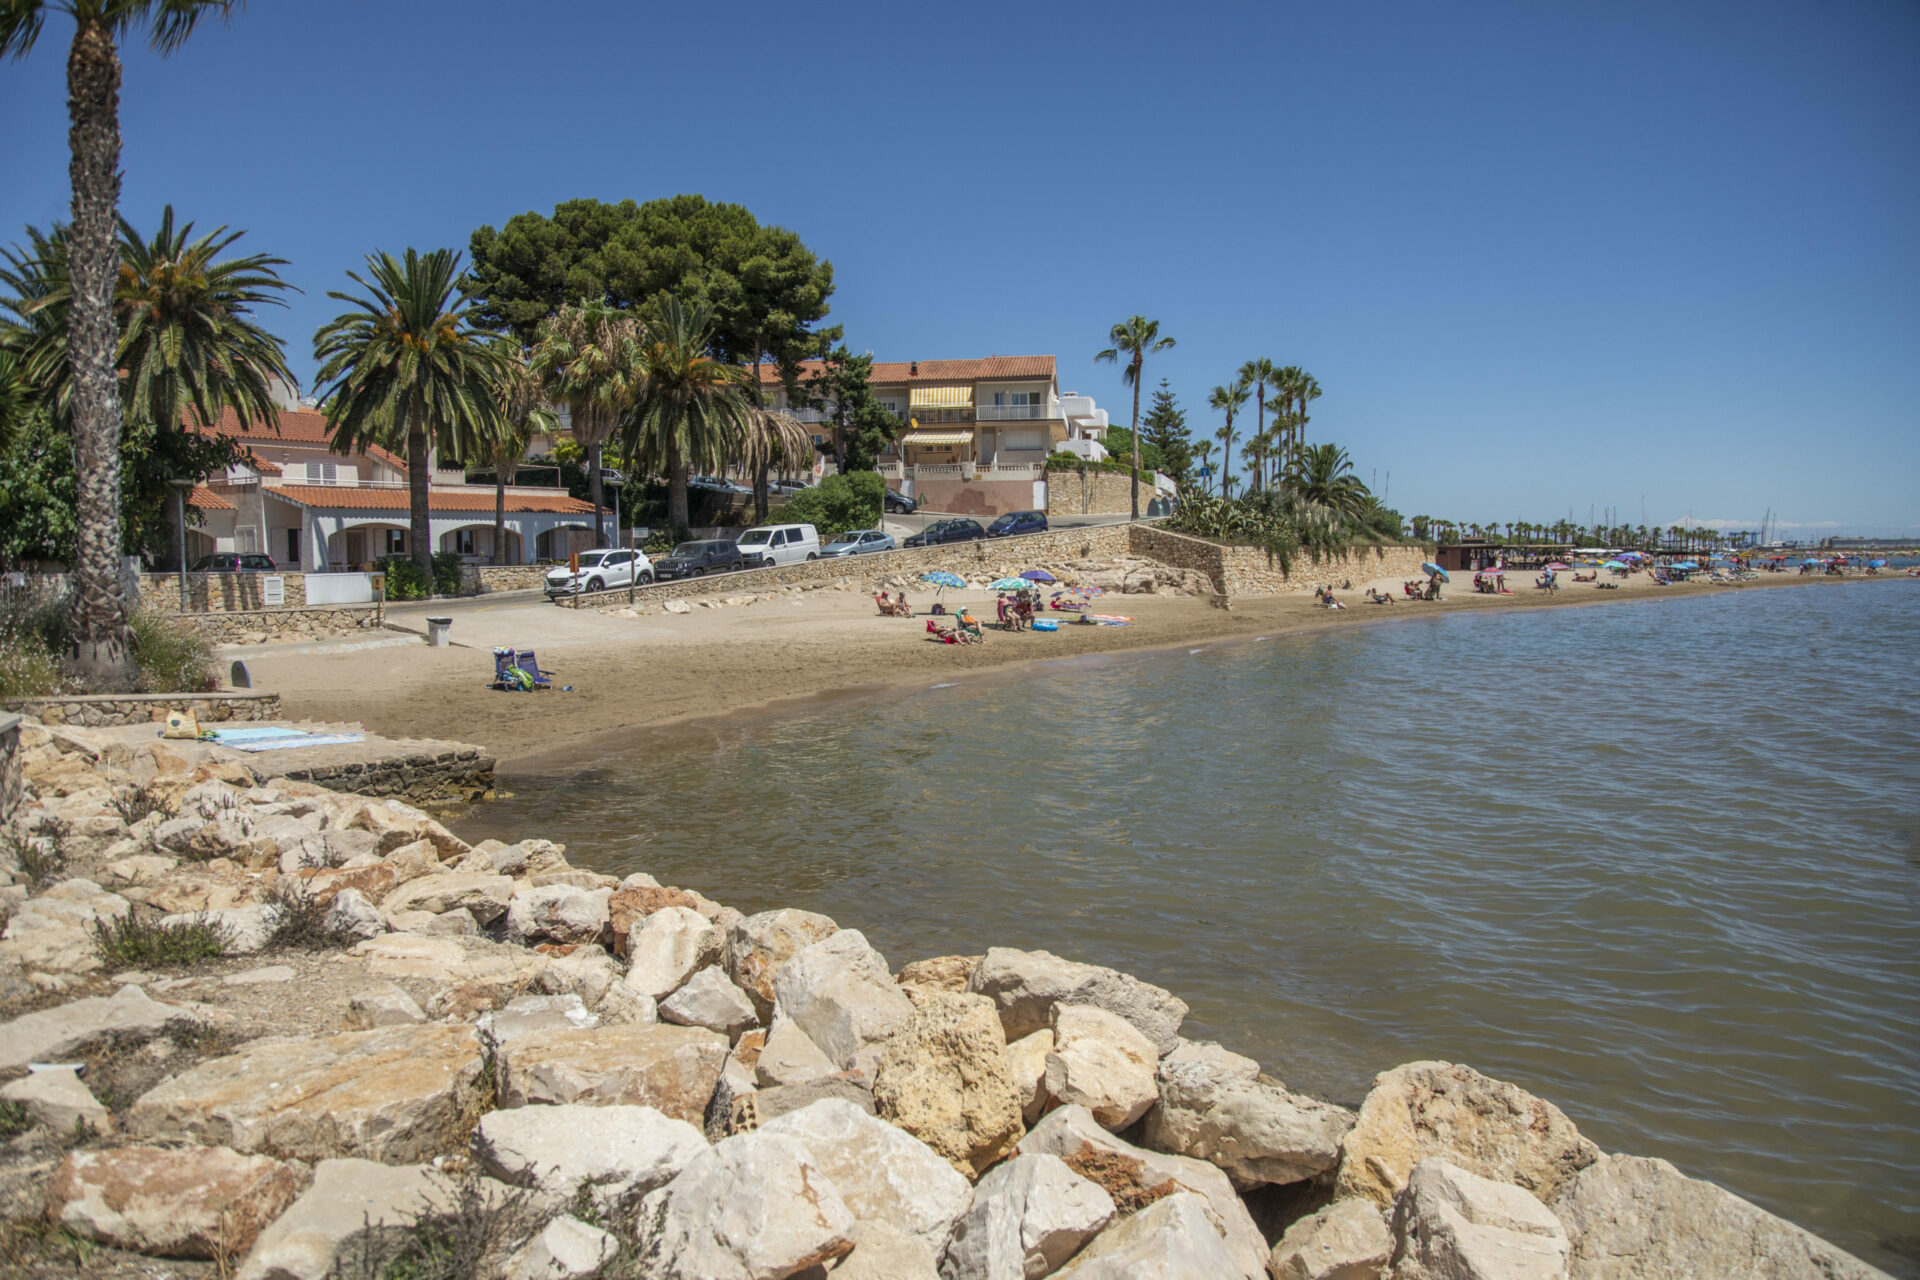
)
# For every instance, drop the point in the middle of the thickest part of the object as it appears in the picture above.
(1471, 554)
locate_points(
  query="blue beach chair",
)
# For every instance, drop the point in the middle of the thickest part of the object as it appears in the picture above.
(531, 665)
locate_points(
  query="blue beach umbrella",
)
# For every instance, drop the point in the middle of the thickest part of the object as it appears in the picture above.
(1429, 566)
(1616, 564)
(1685, 565)
(1010, 584)
(1876, 564)
(941, 578)
(1039, 575)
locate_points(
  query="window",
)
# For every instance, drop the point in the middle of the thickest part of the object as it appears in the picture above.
(293, 546)
(779, 537)
(463, 541)
(396, 542)
(323, 472)
(247, 537)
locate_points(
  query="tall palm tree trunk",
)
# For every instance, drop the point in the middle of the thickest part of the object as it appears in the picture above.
(676, 489)
(1138, 360)
(593, 486)
(103, 651)
(419, 512)
(499, 515)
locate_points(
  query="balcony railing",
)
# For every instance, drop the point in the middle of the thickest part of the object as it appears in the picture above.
(809, 415)
(1016, 412)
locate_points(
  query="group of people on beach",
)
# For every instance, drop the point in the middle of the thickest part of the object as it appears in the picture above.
(1016, 613)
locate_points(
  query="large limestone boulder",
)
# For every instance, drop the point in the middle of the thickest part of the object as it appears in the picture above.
(396, 1094)
(945, 1078)
(884, 1252)
(484, 896)
(788, 1057)
(347, 1200)
(473, 973)
(565, 1249)
(842, 995)
(1211, 1108)
(632, 904)
(61, 1033)
(618, 1153)
(758, 945)
(1101, 1062)
(54, 933)
(586, 971)
(189, 1202)
(1026, 985)
(1029, 1215)
(395, 824)
(524, 1015)
(883, 1174)
(58, 1099)
(1347, 1240)
(1635, 1218)
(672, 1069)
(558, 913)
(709, 999)
(1425, 1110)
(1453, 1225)
(1136, 1178)
(1172, 1239)
(755, 1207)
(668, 947)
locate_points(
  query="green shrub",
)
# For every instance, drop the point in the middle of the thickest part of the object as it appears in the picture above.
(837, 504)
(661, 541)
(27, 669)
(13, 1119)
(174, 655)
(405, 583)
(131, 943)
(1074, 462)
(303, 923)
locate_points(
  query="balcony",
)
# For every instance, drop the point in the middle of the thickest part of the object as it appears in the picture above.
(809, 415)
(1016, 412)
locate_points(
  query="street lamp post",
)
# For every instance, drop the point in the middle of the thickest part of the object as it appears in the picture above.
(180, 488)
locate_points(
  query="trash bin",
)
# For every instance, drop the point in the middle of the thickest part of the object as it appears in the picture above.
(437, 629)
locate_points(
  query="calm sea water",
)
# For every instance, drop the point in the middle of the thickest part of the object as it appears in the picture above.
(1657, 862)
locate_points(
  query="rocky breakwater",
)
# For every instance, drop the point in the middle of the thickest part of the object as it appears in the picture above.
(390, 1052)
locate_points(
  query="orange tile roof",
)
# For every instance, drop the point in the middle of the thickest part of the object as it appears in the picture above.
(205, 499)
(296, 426)
(900, 372)
(316, 495)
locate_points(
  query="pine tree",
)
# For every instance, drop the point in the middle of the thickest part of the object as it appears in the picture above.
(1165, 428)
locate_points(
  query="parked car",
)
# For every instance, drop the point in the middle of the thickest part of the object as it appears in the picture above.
(1018, 522)
(789, 487)
(860, 542)
(957, 529)
(771, 544)
(599, 570)
(234, 562)
(697, 559)
(898, 504)
(717, 484)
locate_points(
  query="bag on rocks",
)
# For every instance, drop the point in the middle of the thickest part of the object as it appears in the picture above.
(181, 724)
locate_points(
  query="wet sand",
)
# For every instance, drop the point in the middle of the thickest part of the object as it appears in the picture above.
(663, 668)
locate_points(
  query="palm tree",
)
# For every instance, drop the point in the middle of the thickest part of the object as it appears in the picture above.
(769, 440)
(590, 355)
(1134, 338)
(102, 641)
(1230, 400)
(524, 413)
(407, 370)
(689, 405)
(1323, 474)
(1305, 390)
(1259, 374)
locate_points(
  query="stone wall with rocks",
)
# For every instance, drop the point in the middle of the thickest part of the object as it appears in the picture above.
(1071, 493)
(436, 776)
(103, 710)
(1251, 571)
(580, 1076)
(511, 577)
(9, 764)
(262, 626)
(989, 559)
(219, 592)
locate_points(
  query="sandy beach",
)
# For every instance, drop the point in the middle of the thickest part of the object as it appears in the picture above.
(663, 668)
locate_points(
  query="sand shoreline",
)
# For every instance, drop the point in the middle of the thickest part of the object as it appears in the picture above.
(778, 657)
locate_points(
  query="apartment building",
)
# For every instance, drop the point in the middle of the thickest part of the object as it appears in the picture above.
(316, 510)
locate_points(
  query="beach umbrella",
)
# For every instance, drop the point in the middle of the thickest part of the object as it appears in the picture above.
(1010, 584)
(1876, 564)
(1428, 566)
(1039, 575)
(1685, 565)
(1616, 564)
(941, 578)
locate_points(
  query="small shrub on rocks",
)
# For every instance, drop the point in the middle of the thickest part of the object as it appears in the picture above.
(472, 1236)
(40, 859)
(174, 655)
(303, 923)
(13, 1119)
(132, 943)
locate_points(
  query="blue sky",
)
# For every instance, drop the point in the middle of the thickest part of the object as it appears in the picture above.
(1540, 257)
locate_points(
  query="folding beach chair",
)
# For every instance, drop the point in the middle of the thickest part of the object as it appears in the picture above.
(502, 667)
(531, 665)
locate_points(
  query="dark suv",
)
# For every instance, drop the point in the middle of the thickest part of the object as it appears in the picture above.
(696, 559)
(1018, 522)
(960, 529)
(233, 562)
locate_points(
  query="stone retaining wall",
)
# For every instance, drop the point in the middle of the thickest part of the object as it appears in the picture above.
(1070, 493)
(9, 765)
(219, 592)
(442, 776)
(1250, 571)
(511, 577)
(258, 626)
(103, 709)
(994, 557)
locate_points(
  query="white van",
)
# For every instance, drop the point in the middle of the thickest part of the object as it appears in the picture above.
(772, 544)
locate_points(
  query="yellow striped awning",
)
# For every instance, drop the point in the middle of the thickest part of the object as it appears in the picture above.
(934, 435)
(941, 398)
